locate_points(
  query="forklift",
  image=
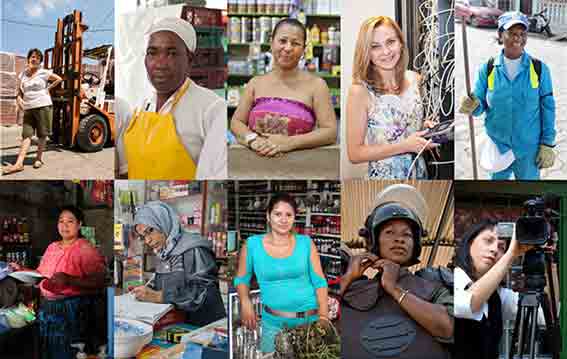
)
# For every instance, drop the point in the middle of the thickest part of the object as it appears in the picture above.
(82, 116)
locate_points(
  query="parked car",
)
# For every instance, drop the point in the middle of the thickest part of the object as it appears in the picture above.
(476, 13)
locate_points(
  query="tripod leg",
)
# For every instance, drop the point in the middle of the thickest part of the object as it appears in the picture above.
(553, 333)
(533, 327)
(515, 333)
(521, 333)
(548, 262)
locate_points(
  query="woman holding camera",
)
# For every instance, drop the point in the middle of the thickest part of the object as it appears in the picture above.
(481, 304)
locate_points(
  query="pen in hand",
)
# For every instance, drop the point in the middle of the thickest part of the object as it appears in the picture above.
(146, 285)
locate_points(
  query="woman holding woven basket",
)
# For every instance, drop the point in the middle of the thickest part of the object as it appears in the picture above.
(288, 270)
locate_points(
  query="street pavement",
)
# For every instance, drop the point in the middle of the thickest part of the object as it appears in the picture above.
(59, 163)
(482, 45)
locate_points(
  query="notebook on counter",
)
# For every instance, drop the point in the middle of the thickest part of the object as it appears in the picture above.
(126, 306)
(30, 277)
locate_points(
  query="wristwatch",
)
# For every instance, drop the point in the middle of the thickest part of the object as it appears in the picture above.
(249, 138)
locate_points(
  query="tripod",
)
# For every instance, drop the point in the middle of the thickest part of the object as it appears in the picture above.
(528, 308)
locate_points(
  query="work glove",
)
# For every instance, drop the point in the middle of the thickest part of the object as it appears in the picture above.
(468, 104)
(545, 156)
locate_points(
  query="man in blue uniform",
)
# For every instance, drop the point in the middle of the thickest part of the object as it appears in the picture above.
(515, 91)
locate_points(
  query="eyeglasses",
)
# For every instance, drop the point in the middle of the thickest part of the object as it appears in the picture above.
(142, 236)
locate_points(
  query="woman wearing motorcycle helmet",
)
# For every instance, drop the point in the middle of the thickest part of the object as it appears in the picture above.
(414, 313)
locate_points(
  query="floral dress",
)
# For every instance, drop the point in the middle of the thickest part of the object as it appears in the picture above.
(392, 119)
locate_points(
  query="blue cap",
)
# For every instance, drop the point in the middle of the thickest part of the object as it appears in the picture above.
(4, 270)
(511, 18)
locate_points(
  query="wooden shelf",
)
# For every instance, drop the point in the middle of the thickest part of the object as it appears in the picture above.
(252, 230)
(265, 44)
(334, 256)
(325, 235)
(319, 74)
(255, 14)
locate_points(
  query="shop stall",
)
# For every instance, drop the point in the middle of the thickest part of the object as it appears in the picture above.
(30, 217)
(250, 26)
(318, 216)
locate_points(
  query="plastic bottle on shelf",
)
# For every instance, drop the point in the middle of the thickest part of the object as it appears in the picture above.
(270, 7)
(315, 34)
(324, 37)
(261, 6)
(301, 17)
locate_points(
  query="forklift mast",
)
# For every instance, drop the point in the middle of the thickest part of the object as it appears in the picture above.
(65, 59)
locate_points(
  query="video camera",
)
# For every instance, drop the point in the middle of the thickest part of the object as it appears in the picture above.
(533, 228)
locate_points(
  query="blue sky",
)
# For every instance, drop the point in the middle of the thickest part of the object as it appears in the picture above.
(19, 38)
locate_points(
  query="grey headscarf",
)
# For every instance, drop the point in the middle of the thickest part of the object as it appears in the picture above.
(162, 217)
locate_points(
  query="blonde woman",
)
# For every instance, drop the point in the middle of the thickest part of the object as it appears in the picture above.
(384, 109)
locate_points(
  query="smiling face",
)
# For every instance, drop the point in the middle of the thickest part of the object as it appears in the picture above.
(396, 241)
(486, 249)
(167, 62)
(386, 48)
(287, 46)
(152, 237)
(34, 60)
(281, 218)
(68, 226)
(514, 40)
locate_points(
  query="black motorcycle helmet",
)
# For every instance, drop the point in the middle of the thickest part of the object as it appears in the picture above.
(382, 214)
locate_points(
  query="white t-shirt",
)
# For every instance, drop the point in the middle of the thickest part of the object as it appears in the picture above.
(200, 120)
(512, 66)
(34, 88)
(462, 301)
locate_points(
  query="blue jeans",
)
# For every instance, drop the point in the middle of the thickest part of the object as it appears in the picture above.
(524, 168)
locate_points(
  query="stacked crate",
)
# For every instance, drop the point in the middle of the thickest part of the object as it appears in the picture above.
(209, 66)
(10, 66)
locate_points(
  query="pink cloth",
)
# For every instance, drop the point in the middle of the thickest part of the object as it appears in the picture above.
(81, 259)
(282, 116)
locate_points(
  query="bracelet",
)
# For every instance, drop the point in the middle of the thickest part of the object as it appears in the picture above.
(402, 297)
(249, 144)
(324, 317)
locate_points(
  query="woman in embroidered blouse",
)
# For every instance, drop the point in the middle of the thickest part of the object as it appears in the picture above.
(74, 272)
(286, 109)
(384, 109)
(287, 267)
(34, 99)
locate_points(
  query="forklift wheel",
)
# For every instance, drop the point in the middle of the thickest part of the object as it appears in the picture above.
(93, 133)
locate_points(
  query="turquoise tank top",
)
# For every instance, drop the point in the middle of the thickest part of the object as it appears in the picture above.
(286, 284)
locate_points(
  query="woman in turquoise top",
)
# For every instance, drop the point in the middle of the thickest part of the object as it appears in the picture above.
(293, 288)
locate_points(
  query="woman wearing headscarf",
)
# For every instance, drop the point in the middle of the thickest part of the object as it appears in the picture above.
(186, 272)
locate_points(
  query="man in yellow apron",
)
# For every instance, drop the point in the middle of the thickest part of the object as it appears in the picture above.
(180, 133)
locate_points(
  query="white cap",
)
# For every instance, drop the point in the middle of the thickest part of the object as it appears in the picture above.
(178, 26)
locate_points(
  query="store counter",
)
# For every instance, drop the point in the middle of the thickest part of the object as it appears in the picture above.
(208, 342)
(316, 163)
